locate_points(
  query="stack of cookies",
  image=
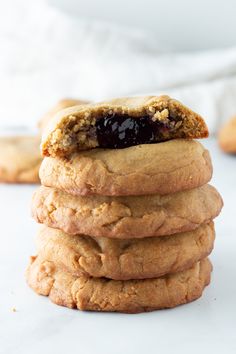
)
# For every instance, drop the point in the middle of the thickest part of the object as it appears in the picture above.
(127, 211)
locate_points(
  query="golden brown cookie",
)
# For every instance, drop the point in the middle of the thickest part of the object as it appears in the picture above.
(126, 217)
(20, 159)
(125, 259)
(129, 296)
(62, 104)
(162, 168)
(121, 123)
(227, 136)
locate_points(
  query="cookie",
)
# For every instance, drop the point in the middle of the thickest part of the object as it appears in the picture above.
(121, 123)
(126, 217)
(62, 104)
(20, 159)
(227, 137)
(125, 259)
(129, 296)
(161, 168)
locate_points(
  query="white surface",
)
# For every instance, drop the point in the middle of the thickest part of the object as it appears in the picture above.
(204, 326)
(178, 25)
(46, 54)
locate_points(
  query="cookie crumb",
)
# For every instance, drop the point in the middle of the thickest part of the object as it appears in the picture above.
(13, 309)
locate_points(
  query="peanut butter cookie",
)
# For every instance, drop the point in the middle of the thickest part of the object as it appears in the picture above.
(150, 257)
(121, 123)
(129, 296)
(126, 217)
(20, 159)
(227, 137)
(162, 168)
(62, 104)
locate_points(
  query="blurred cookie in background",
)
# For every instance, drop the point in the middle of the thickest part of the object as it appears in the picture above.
(20, 159)
(20, 156)
(62, 104)
(227, 136)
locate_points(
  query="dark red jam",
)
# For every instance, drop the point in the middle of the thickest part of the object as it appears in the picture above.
(120, 131)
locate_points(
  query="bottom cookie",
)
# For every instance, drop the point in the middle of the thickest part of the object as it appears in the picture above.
(130, 296)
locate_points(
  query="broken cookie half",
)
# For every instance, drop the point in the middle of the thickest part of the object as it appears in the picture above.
(121, 123)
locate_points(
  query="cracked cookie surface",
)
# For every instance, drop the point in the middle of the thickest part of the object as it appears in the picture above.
(130, 296)
(163, 168)
(125, 259)
(20, 159)
(128, 216)
(120, 123)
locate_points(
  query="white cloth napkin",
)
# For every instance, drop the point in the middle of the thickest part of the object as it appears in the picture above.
(47, 55)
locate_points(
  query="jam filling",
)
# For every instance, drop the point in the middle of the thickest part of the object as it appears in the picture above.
(120, 131)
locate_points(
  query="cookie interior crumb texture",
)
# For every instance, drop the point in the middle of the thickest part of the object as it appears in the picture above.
(121, 123)
(61, 104)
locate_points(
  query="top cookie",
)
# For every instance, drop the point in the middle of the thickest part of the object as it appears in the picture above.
(62, 104)
(120, 123)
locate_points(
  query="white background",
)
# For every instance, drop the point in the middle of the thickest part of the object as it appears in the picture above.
(101, 49)
(178, 25)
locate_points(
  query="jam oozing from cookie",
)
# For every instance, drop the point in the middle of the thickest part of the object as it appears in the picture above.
(120, 131)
